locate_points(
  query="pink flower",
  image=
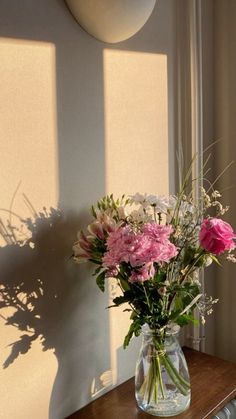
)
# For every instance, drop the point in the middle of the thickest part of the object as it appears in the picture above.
(216, 236)
(112, 272)
(82, 249)
(117, 243)
(84, 242)
(80, 255)
(96, 230)
(139, 249)
(108, 224)
(157, 232)
(166, 251)
(101, 226)
(142, 274)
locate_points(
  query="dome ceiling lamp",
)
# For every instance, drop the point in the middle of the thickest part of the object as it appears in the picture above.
(111, 21)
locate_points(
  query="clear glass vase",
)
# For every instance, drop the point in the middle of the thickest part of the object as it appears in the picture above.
(162, 385)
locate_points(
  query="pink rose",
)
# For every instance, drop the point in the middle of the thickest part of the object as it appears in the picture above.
(216, 236)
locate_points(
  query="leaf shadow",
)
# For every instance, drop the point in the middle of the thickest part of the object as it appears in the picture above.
(32, 278)
(48, 298)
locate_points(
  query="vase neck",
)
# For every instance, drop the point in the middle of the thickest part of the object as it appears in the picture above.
(170, 330)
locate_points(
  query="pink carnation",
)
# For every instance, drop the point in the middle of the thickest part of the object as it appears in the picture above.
(139, 249)
(117, 243)
(143, 274)
(142, 250)
(166, 251)
(216, 236)
(157, 232)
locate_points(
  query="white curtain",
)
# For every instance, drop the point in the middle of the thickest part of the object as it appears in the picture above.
(221, 282)
(207, 113)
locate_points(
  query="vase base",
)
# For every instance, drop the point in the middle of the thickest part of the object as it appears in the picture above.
(166, 408)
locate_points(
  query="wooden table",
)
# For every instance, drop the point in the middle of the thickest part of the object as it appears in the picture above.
(213, 384)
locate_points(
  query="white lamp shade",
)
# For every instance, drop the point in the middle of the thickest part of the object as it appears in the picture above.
(111, 20)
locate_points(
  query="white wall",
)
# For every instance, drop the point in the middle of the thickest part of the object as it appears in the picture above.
(78, 119)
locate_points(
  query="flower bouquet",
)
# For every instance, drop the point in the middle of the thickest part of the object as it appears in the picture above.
(154, 246)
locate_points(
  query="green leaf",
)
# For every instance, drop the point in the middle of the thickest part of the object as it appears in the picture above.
(95, 261)
(93, 211)
(200, 262)
(100, 280)
(124, 284)
(125, 298)
(178, 303)
(160, 277)
(120, 300)
(135, 329)
(133, 315)
(128, 338)
(189, 255)
(184, 319)
(97, 270)
(214, 258)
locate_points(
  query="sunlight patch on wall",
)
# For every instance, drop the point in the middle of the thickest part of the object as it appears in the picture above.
(136, 122)
(28, 179)
(28, 126)
(136, 147)
(32, 374)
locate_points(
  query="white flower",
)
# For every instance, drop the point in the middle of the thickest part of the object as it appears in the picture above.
(216, 194)
(185, 207)
(231, 257)
(172, 202)
(143, 199)
(139, 216)
(160, 203)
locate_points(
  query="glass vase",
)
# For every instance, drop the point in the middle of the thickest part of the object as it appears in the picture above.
(162, 385)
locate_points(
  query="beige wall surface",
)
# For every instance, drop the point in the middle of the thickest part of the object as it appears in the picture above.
(78, 119)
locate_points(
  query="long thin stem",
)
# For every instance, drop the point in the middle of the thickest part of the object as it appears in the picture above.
(160, 376)
(178, 380)
(185, 275)
(175, 378)
(184, 382)
(151, 377)
(147, 299)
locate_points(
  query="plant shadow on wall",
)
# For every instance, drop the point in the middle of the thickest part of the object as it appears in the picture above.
(49, 299)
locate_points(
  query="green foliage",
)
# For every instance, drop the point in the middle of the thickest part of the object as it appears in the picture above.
(189, 255)
(124, 284)
(110, 205)
(135, 329)
(184, 319)
(214, 258)
(160, 276)
(158, 290)
(100, 280)
(98, 247)
(125, 298)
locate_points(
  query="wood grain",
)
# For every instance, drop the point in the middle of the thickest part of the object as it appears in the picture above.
(213, 384)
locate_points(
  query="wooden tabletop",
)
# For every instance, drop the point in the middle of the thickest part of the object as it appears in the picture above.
(213, 384)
